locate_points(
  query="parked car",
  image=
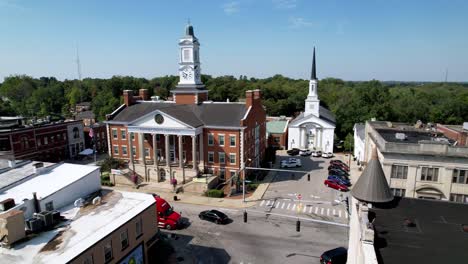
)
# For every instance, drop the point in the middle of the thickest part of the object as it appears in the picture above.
(291, 163)
(334, 256)
(338, 161)
(338, 167)
(293, 152)
(305, 152)
(338, 172)
(344, 177)
(336, 185)
(327, 155)
(317, 153)
(339, 179)
(214, 216)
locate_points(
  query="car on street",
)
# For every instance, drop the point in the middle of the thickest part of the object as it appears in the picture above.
(334, 256)
(214, 216)
(317, 153)
(293, 152)
(338, 167)
(291, 163)
(336, 185)
(327, 155)
(305, 152)
(338, 172)
(338, 161)
(339, 179)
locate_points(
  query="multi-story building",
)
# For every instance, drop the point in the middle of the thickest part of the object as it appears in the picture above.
(359, 138)
(457, 133)
(45, 142)
(190, 134)
(58, 213)
(419, 162)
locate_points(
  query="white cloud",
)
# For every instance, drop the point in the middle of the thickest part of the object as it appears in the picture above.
(10, 4)
(231, 7)
(285, 4)
(299, 22)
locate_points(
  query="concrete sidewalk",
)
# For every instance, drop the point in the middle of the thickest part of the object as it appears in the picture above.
(193, 198)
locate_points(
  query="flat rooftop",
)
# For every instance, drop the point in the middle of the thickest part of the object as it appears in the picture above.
(438, 236)
(412, 136)
(48, 182)
(22, 170)
(84, 227)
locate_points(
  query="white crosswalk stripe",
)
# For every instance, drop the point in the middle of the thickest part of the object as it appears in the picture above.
(339, 213)
(276, 205)
(263, 201)
(294, 207)
(321, 211)
(305, 208)
(310, 209)
(334, 212)
(288, 206)
(346, 215)
(316, 210)
(328, 211)
(282, 205)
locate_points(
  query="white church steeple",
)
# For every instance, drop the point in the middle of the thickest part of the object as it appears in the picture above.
(312, 103)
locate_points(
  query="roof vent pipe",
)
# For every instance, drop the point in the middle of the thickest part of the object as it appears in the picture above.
(37, 206)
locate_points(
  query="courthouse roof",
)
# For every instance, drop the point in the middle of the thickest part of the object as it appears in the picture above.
(207, 113)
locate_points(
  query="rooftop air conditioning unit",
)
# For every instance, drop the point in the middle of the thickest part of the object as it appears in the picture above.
(400, 136)
(56, 216)
(7, 204)
(46, 217)
(465, 125)
(35, 225)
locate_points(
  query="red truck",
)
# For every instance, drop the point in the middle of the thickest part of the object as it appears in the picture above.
(167, 217)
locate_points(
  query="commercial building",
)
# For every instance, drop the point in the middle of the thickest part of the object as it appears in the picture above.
(388, 229)
(277, 131)
(57, 213)
(47, 141)
(418, 161)
(190, 135)
(315, 127)
(359, 142)
(457, 133)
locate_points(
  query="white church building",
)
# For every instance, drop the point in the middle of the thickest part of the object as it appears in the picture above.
(315, 127)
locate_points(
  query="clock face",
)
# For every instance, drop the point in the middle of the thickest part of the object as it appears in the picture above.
(159, 119)
(187, 74)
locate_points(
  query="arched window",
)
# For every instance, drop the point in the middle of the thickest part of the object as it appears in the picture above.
(76, 133)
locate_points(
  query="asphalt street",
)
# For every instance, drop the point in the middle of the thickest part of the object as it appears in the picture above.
(270, 236)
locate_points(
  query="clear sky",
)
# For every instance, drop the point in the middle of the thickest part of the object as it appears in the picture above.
(356, 40)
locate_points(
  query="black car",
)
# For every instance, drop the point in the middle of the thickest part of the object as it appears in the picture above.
(293, 152)
(338, 167)
(334, 256)
(214, 216)
(338, 172)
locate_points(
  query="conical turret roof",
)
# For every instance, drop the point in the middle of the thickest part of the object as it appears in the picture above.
(372, 186)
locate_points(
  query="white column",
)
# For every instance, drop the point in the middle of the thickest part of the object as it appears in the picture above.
(130, 151)
(166, 139)
(202, 155)
(155, 151)
(180, 149)
(141, 147)
(194, 153)
(304, 137)
(321, 139)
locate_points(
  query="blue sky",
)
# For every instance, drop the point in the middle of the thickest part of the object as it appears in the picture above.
(355, 40)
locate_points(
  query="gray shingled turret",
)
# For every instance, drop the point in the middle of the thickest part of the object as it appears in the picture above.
(372, 186)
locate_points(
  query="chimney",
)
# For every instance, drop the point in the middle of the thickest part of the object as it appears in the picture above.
(143, 93)
(38, 168)
(128, 97)
(249, 98)
(257, 96)
(37, 206)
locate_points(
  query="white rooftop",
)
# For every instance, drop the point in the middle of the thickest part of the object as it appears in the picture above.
(47, 182)
(86, 226)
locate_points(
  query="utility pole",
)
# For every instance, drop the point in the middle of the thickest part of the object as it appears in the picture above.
(78, 67)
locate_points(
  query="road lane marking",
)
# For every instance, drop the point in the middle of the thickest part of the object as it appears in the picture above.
(346, 215)
(305, 208)
(277, 204)
(294, 206)
(288, 206)
(339, 213)
(282, 206)
(321, 211)
(310, 210)
(263, 201)
(316, 210)
(334, 213)
(301, 218)
(328, 211)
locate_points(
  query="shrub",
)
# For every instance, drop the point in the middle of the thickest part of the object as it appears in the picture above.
(252, 186)
(215, 193)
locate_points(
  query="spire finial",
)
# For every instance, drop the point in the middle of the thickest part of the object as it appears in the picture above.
(314, 72)
(188, 21)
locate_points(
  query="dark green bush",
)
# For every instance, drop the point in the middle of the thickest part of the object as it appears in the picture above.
(252, 186)
(215, 193)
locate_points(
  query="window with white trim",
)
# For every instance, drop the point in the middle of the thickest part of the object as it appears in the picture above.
(399, 171)
(139, 227)
(460, 176)
(210, 139)
(459, 198)
(232, 140)
(222, 174)
(114, 133)
(147, 152)
(132, 136)
(108, 256)
(429, 174)
(232, 158)
(221, 140)
(124, 150)
(222, 157)
(116, 150)
(210, 157)
(123, 134)
(398, 192)
(124, 239)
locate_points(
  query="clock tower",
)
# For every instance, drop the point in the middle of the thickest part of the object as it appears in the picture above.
(190, 88)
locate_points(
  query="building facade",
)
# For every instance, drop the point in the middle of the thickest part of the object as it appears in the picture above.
(419, 162)
(45, 142)
(457, 133)
(315, 127)
(189, 135)
(277, 131)
(359, 138)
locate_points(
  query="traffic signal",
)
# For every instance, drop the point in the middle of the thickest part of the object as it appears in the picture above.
(245, 216)
(298, 226)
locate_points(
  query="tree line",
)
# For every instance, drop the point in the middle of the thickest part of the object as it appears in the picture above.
(351, 102)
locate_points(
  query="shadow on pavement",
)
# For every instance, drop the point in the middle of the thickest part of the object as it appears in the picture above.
(308, 164)
(186, 252)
